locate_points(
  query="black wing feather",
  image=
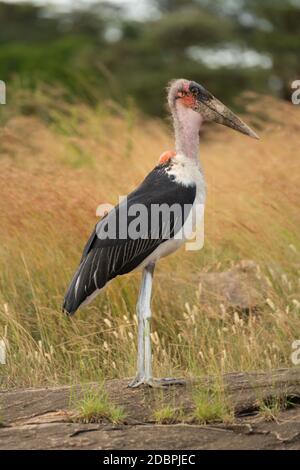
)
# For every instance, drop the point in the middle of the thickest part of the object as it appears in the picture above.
(104, 259)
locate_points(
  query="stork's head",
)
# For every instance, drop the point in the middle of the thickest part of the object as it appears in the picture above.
(194, 96)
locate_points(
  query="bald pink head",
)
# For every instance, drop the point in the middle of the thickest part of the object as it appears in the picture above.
(191, 95)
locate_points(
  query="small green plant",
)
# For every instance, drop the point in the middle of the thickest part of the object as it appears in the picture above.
(270, 409)
(95, 406)
(211, 405)
(168, 415)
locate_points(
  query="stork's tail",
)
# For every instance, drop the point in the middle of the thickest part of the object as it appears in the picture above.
(91, 275)
(71, 300)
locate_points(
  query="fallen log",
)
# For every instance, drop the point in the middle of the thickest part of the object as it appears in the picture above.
(245, 390)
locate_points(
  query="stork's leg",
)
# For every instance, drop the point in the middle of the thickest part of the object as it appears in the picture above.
(144, 357)
(140, 374)
(144, 368)
(147, 323)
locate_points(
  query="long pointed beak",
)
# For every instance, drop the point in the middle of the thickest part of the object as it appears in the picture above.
(213, 110)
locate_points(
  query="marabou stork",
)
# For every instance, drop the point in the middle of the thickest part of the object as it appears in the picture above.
(177, 179)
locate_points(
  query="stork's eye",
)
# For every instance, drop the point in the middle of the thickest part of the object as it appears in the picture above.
(194, 90)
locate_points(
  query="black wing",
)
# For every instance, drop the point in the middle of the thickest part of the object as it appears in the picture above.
(106, 256)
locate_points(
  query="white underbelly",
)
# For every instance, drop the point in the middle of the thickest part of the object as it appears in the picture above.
(164, 249)
(191, 234)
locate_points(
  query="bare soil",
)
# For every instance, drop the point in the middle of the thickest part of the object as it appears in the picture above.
(40, 418)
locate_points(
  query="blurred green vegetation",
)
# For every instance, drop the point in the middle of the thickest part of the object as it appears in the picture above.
(99, 51)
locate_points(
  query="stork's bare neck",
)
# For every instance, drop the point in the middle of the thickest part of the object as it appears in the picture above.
(187, 125)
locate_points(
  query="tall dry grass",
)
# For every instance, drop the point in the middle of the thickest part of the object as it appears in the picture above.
(55, 170)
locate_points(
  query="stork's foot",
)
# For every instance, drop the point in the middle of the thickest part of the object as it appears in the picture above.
(155, 383)
(136, 382)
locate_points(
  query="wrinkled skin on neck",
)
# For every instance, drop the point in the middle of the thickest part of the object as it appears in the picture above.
(187, 124)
